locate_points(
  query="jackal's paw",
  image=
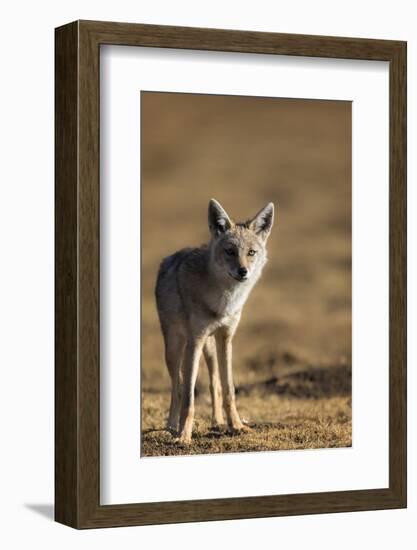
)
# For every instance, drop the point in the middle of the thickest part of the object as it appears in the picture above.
(183, 439)
(240, 429)
(218, 427)
(173, 430)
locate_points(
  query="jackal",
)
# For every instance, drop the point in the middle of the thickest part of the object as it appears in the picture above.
(200, 293)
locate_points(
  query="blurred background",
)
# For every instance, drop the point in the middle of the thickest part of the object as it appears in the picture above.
(292, 350)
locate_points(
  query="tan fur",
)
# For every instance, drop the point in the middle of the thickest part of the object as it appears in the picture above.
(200, 293)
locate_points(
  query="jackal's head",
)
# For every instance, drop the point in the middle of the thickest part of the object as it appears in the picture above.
(239, 249)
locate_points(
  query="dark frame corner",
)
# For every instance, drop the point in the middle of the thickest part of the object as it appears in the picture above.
(77, 47)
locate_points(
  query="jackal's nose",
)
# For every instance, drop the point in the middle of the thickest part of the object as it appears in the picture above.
(242, 271)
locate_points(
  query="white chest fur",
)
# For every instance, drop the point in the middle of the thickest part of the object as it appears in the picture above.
(229, 302)
(232, 301)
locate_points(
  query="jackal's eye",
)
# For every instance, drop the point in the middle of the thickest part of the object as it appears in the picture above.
(251, 252)
(230, 251)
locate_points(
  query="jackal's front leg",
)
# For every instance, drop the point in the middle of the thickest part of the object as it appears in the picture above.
(192, 356)
(210, 355)
(224, 347)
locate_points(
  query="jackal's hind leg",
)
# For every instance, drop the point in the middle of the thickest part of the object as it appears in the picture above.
(174, 351)
(210, 355)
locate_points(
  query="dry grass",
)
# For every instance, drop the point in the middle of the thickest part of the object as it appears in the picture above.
(304, 424)
(292, 351)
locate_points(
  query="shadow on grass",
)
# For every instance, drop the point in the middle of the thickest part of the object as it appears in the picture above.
(310, 383)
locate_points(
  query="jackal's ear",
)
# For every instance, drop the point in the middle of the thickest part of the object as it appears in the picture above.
(219, 221)
(262, 223)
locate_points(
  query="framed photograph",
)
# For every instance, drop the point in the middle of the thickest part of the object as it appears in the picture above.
(230, 274)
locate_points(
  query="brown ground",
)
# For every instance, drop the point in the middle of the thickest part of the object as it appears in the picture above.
(292, 351)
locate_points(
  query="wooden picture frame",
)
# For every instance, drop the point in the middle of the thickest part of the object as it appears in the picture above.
(77, 374)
